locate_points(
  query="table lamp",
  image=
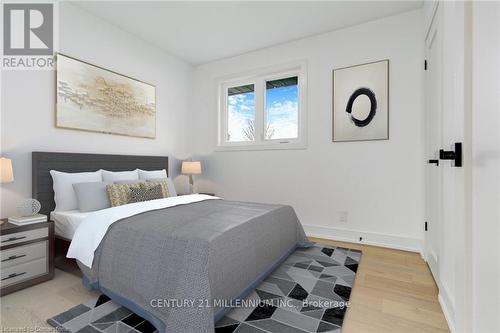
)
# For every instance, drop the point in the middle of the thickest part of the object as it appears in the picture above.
(6, 174)
(191, 168)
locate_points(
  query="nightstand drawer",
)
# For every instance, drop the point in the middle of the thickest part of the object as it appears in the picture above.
(22, 254)
(24, 271)
(23, 236)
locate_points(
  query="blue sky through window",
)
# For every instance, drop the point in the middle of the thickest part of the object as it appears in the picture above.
(281, 114)
(241, 114)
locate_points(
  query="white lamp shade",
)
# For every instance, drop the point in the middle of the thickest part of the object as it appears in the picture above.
(191, 167)
(6, 174)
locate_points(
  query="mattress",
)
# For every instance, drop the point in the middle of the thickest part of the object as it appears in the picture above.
(66, 222)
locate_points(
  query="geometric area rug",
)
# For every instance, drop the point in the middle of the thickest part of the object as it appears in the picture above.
(308, 293)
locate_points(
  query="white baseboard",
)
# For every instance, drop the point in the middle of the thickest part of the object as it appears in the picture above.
(369, 238)
(446, 312)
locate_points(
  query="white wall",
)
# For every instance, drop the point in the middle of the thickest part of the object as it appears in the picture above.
(28, 112)
(379, 183)
(382, 190)
(486, 167)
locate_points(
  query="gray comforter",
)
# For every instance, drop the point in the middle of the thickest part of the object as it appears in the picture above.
(196, 254)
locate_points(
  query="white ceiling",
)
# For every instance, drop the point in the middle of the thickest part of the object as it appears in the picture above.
(199, 32)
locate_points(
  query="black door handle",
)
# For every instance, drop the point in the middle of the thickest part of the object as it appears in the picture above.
(455, 156)
(434, 162)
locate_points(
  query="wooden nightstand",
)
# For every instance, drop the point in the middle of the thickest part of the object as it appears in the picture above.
(27, 255)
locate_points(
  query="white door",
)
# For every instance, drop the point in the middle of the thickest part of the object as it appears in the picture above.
(433, 135)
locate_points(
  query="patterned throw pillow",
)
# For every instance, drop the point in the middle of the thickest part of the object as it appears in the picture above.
(145, 193)
(119, 194)
(162, 183)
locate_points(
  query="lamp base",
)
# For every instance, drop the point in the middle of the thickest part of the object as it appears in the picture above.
(191, 185)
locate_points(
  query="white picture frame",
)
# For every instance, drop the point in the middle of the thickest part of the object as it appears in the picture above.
(360, 107)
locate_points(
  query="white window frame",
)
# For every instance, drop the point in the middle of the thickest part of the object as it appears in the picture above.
(258, 78)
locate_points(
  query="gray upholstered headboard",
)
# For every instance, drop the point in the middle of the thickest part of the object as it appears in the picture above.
(43, 162)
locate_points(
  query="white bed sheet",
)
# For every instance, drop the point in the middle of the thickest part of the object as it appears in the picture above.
(66, 222)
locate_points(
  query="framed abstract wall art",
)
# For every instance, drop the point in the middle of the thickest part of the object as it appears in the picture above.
(361, 102)
(92, 98)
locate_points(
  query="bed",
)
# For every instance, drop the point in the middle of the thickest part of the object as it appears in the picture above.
(42, 188)
(199, 251)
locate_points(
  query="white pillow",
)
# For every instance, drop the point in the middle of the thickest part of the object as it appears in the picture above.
(171, 188)
(64, 194)
(155, 174)
(113, 176)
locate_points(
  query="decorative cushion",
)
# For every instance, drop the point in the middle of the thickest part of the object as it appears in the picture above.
(119, 194)
(170, 185)
(91, 196)
(155, 174)
(113, 176)
(146, 193)
(162, 183)
(64, 195)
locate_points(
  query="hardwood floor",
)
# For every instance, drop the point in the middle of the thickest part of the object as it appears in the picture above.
(393, 292)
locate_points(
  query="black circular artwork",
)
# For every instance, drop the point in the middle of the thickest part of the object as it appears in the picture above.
(373, 106)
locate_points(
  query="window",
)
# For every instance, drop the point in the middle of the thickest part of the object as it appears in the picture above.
(264, 110)
(241, 113)
(282, 110)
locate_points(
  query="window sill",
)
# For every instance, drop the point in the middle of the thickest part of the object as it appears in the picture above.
(256, 147)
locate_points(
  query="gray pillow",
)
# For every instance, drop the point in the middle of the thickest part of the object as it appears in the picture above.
(170, 185)
(91, 196)
(129, 181)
